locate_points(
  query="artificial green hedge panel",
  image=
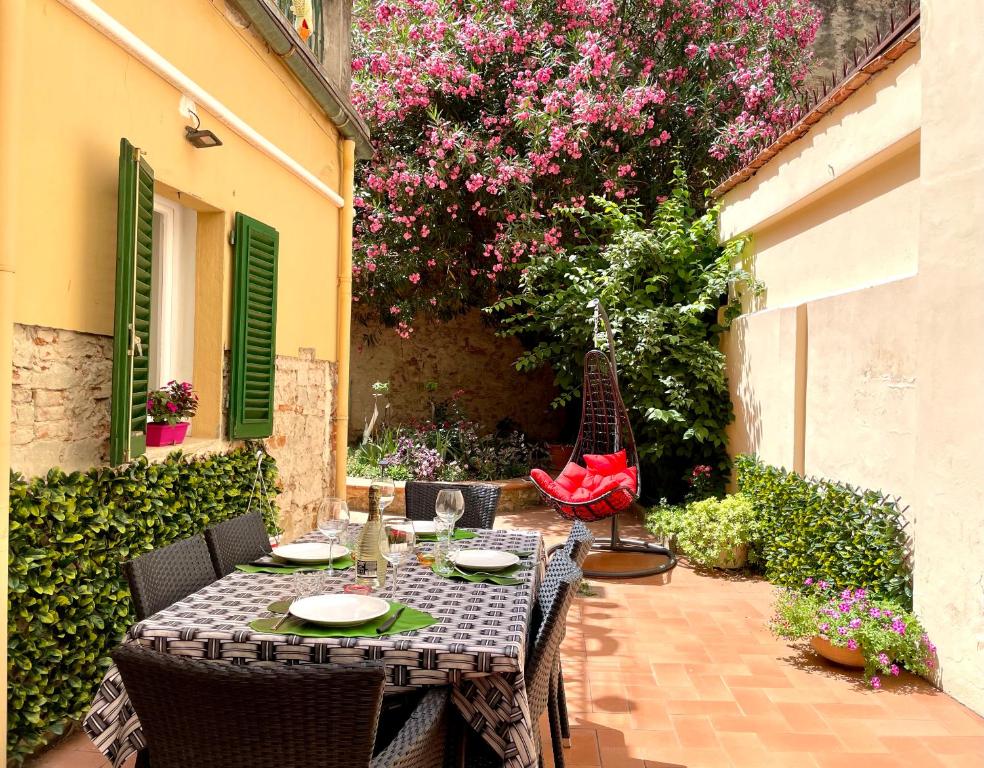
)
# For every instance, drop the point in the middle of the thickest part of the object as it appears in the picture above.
(68, 602)
(821, 529)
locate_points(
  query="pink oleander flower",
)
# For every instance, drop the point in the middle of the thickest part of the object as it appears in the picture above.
(414, 277)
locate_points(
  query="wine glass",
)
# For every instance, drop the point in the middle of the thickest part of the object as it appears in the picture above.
(385, 493)
(396, 545)
(333, 519)
(450, 507)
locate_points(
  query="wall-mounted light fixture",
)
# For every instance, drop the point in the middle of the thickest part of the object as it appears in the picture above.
(201, 139)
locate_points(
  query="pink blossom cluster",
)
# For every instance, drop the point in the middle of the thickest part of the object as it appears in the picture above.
(489, 117)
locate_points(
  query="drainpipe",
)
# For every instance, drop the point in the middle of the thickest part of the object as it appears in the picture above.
(11, 81)
(346, 217)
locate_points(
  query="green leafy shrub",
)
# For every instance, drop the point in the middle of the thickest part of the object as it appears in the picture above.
(663, 280)
(845, 536)
(665, 521)
(68, 602)
(888, 636)
(713, 528)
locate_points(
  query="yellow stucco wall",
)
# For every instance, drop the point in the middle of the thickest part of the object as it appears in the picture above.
(863, 355)
(86, 92)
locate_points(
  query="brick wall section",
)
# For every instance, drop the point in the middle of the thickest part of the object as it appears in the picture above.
(462, 353)
(302, 441)
(62, 385)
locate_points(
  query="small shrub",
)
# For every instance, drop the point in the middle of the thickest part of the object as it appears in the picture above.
(665, 521)
(888, 636)
(846, 536)
(712, 528)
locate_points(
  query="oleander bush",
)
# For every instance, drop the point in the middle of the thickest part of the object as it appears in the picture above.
(828, 531)
(68, 603)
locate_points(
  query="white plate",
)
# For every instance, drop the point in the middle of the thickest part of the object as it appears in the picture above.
(484, 559)
(309, 552)
(341, 610)
(424, 526)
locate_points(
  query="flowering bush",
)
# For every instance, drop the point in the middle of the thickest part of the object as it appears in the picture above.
(889, 637)
(489, 116)
(172, 403)
(701, 481)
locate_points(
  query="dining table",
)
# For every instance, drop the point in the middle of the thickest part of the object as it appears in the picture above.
(477, 646)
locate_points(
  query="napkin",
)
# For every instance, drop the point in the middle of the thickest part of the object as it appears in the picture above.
(341, 564)
(459, 534)
(503, 578)
(410, 620)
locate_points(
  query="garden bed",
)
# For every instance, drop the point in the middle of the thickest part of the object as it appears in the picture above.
(517, 494)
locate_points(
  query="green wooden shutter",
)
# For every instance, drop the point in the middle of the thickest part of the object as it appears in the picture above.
(254, 329)
(131, 330)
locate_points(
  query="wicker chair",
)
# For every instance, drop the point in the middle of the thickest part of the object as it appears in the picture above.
(481, 502)
(169, 574)
(577, 547)
(196, 712)
(237, 541)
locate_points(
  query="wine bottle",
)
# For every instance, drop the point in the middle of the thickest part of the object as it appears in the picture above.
(370, 565)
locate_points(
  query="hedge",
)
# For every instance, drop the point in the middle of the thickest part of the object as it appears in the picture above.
(850, 537)
(68, 603)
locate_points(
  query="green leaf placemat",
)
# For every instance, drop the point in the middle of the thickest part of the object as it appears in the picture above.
(503, 578)
(459, 534)
(410, 620)
(341, 564)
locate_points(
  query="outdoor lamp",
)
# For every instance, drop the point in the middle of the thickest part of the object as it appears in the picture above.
(199, 138)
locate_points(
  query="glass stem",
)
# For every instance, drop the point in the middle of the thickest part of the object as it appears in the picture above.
(331, 561)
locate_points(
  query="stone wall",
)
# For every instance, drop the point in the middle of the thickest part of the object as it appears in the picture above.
(461, 354)
(61, 412)
(62, 384)
(302, 441)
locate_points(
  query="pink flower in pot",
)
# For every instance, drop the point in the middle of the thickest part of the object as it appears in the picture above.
(167, 409)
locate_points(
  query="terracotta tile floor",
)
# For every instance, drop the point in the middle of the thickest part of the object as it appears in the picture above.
(679, 671)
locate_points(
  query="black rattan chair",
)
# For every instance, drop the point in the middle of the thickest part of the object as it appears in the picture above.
(195, 712)
(577, 547)
(237, 541)
(169, 574)
(481, 502)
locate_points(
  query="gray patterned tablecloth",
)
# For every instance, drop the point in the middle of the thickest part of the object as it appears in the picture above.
(477, 647)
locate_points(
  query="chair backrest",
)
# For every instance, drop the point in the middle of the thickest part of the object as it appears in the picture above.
(195, 712)
(168, 574)
(481, 502)
(237, 541)
(578, 543)
(555, 597)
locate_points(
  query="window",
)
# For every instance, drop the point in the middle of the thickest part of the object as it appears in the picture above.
(154, 331)
(172, 352)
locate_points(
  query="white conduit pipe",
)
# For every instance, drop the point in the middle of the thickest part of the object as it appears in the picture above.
(110, 27)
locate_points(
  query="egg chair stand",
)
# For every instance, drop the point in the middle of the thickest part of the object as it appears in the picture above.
(605, 429)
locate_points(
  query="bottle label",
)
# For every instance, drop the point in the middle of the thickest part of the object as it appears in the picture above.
(365, 569)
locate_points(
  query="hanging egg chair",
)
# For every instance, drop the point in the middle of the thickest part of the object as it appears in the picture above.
(602, 478)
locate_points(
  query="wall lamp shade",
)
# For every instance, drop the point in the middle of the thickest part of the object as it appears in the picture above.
(201, 139)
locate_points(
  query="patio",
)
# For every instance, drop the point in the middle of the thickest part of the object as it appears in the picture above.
(681, 670)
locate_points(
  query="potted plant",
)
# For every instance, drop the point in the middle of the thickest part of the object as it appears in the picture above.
(716, 532)
(167, 408)
(850, 628)
(665, 521)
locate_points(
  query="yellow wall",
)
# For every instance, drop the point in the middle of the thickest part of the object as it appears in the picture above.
(86, 93)
(863, 362)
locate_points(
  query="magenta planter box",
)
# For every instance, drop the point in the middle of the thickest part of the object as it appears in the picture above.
(166, 434)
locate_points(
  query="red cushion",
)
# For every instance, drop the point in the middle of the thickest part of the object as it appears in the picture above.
(606, 463)
(576, 484)
(572, 477)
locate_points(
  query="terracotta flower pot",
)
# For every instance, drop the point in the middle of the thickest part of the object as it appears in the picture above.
(733, 558)
(166, 434)
(835, 653)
